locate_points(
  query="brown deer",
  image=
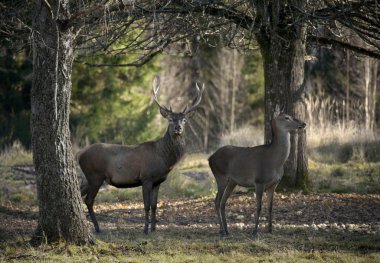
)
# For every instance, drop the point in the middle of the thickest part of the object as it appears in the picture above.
(146, 164)
(261, 166)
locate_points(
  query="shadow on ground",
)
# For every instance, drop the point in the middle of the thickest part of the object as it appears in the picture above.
(327, 222)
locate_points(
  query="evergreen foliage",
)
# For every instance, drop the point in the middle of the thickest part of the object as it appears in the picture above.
(112, 104)
(15, 85)
(109, 104)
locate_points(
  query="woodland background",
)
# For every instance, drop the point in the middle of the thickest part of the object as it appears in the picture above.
(113, 104)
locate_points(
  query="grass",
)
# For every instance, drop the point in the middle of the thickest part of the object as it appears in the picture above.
(199, 245)
(350, 177)
(16, 186)
(343, 156)
(15, 155)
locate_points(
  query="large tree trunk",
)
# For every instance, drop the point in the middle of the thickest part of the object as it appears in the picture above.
(283, 51)
(61, 215)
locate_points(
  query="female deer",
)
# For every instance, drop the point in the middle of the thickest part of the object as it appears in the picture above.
(261, 166)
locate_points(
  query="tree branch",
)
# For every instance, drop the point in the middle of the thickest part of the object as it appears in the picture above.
(141, 62)
(330, 41)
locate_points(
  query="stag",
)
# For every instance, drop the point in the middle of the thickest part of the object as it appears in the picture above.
(146, 164)
(261, 166)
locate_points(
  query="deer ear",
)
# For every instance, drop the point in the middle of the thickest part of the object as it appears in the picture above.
(276, 111)
(164, 112)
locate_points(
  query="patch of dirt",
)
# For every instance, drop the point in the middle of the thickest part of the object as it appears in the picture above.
(322, 212)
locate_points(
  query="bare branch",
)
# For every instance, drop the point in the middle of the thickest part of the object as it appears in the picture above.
(330, 41)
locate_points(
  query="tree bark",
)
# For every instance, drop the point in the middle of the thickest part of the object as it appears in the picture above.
(283, 52)
(61, 215)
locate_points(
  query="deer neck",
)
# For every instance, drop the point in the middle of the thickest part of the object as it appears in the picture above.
(280, 145)
(171, 148)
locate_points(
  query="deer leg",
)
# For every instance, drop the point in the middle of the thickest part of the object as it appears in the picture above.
(227, 192)
(147, 189)
(270, 192)
(259, 196)
(222, 184)
(84, 188)
(92, 191)
(153, 205)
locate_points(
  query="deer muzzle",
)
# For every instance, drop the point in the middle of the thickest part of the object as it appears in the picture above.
(302, 126)
(178, 130)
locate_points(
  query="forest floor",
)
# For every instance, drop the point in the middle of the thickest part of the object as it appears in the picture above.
(307, 228)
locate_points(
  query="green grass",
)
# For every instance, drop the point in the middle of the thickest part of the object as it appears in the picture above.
(200, 245)
(343, 167)
(351, 177)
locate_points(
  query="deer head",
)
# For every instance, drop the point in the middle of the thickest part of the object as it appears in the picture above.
(286, 122)
(177, 120)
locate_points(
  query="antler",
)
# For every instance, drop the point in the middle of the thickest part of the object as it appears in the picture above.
(196, 101)
(155, 89)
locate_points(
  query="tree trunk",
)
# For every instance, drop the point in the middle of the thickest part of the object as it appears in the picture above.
(284, 76)
(237, 64)
(347, 109)
(61, 215)
(370, 86)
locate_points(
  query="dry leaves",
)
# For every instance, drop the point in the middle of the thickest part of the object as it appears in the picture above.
(317, 212)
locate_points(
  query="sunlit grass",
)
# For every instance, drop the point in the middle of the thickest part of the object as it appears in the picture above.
(195, 245)
(16, 154)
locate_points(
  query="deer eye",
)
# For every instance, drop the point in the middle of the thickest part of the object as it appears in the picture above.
(170, 120)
